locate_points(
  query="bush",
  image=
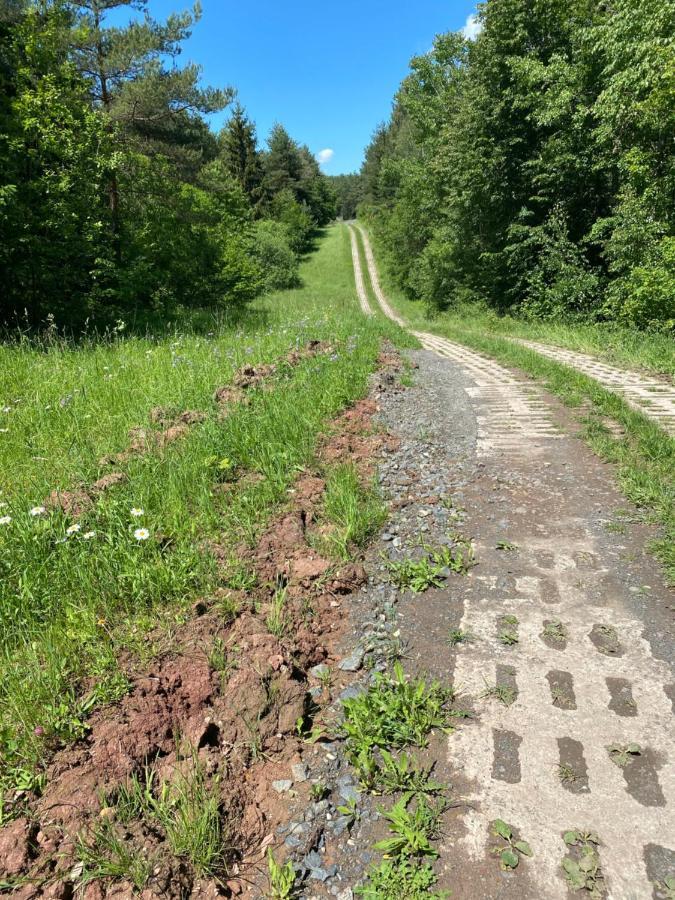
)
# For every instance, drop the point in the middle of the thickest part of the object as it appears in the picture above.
(297, 219)
(277, 261)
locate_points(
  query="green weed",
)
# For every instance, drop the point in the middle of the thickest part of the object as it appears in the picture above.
(276, 617)
(509, 855)
(416, 574)
(412, 830)
(504, 693)
(282, 879)
(623, 754)
(506, 545)
(401, 879)
(582, 867)
(107, 855)
(457, 636)
(555, 631)
(355, 511)
(395, 712)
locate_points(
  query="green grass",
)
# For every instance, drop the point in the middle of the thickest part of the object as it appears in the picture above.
(185, 809)
(69, 604)
(644, 455)
(355, 511)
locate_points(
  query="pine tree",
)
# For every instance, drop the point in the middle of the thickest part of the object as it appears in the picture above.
(239, 150)
(146, 104)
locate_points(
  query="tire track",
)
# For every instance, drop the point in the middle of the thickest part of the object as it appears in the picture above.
(512, 416)
(542, 760)
(653, 398)
(358, 275)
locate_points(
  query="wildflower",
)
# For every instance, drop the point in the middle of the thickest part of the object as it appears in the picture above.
(38, 511)
(136, 512)
(73, 529)
(5, 520)
(141, 534)
(6, 408)
(38, 731)
(88, 535)
(4, 430)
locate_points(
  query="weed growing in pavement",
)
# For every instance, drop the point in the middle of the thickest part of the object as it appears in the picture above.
(623, 754)
(561, 697)
(457, 636)
(504, 693)
(416, 574)
(555, 631)
(282, 879)
(459, 557)
(508, 633)
(401, 879)
(666, 888)
(510, 854)
(582, 867)
(566, 773)
(402, 775)
(506, 545)
(508, 637)
(431, 569)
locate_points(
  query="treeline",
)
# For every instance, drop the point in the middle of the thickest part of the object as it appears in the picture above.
(115, 196)
(533, 168)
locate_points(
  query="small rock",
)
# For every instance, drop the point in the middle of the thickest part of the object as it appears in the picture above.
(319, 671)
(353, 662)
(387, 537)
(282, 786)
(299, 772)
(351, 692)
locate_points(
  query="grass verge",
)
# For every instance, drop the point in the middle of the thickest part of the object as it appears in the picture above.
(78, 591)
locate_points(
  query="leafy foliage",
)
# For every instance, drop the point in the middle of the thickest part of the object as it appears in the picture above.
(395, 712)
(532, 167)
(115, 197)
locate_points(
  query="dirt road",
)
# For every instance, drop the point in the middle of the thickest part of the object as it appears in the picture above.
(580, 734)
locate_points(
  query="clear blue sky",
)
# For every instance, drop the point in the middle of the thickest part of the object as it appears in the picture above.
(326, 72)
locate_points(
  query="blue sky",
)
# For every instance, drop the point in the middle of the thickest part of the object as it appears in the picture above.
(328, 72)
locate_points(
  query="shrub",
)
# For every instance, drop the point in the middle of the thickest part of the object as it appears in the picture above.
(272, 250)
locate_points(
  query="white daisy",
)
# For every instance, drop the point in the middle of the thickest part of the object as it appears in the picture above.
(88, 535)
(136, 512)
(141, 534)
(38, 511)
(73, 529)
(5, 520)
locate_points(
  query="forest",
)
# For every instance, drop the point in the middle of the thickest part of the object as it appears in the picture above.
(116, 198)
(532, 169)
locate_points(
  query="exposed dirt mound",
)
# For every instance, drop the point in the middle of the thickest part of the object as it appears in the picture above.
(228, 702)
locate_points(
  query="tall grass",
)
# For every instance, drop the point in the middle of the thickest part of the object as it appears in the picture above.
(71, 599)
